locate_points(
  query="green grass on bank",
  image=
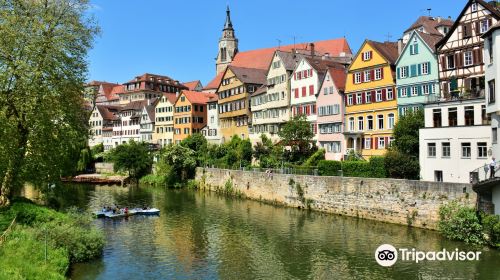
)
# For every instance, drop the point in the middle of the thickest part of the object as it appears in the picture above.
(70, 238)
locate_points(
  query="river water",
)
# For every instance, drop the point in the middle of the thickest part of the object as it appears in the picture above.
(201, 235)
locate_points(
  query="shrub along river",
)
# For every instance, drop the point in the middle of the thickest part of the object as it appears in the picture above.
(202, 235)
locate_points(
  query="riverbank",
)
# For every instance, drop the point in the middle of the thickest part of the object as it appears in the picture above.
(43, 243)
(404, 202)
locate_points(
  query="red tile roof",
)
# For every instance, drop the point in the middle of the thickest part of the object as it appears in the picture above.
(196, 97)
(339, 77)
(430, 40)
(108, 111)
(214, 84)
(389, 50)
(192, 85)
(430, 24)
(171, 97)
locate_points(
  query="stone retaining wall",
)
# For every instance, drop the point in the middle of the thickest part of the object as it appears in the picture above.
(406, 202)
(103, 167)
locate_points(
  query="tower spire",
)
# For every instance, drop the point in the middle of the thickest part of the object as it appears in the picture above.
(228, 24)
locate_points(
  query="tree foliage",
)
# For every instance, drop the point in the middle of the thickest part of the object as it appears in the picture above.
(268, 154)
(43, 124)
(133, 157)
(197, 143)
(406, 133)
(297, 135)
(176, 163)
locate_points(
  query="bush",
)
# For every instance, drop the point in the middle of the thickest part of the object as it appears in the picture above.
(491, 227)
(153, 180)
(356, 169)
(401, 166)
(329, 167)
(377, 166)
(314, 159)
(458, 222)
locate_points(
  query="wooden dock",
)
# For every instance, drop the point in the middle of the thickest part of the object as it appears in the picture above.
(98, 179)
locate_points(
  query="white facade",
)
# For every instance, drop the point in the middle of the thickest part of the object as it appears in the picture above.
(147, 125)
(456, 140)
(304, 86)
(496, 199)
(95, 124)
(492, 76)
(211, 131)
(127, 127)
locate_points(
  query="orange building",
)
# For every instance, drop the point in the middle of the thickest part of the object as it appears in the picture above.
(190, 113)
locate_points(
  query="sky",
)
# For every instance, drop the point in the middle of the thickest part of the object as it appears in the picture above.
(179, 39)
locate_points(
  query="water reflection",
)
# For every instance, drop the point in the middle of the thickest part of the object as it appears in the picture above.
(206, 236)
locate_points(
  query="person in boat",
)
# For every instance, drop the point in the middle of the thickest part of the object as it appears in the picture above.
(126, 210)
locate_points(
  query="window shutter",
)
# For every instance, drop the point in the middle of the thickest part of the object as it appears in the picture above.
(311, 90)
(362, 77)
(372, 74)
(477, 23)
(375, 145)
(413, 70)
(443, 62)
(386, 141)
(480, 56)
(354, 99)
(419, 88)
(303, 91)
(490, 22)
(428, 67)
(398, 73)
(353, 78)
(371, 54)
(399, 92)
(384, 97)
(458, 59)
(382, 73)
(363, 97)
(416, 49)
(295, 76)
(475, 57)
(419, 69)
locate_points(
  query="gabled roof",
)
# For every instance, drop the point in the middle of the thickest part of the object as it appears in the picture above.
(430, 24)
(339, 77)
(289, 59)
(135, 105)
(322, 65)
(171, 97)
(249, 75)
(389, 50)
(150, 109)
(196, 97)
(495, 11)
(429, 40)
(193, 84)
(214, 84)
(262, 89)
(107, 111)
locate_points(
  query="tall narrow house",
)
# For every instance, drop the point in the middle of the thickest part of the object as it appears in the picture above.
(371, 106)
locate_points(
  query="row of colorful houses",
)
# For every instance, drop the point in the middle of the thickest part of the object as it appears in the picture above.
(352, 100)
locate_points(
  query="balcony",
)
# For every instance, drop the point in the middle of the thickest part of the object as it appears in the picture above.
(456, 95)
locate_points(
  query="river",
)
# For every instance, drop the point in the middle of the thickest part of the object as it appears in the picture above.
(202, 235)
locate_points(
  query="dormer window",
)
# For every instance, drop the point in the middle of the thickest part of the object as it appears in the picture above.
(367, 55)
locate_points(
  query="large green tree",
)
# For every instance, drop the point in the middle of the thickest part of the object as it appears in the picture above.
(43, 124)
(133, 157)
(297, 134)
(198, 143)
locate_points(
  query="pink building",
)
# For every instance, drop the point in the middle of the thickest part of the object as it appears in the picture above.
(330, 108)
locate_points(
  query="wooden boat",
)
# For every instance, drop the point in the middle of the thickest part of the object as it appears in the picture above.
(149, 211)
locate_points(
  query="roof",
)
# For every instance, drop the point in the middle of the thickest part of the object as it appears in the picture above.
(430, 24)
(262, 89)
(98, 83)
(389, 50)
(322, 65)
(214, 84)
(196, 97)
(261, 58)
(493, 28)
(107, 111)
(430, 40)
(171, 97)
(495, 11)
(213, 98)
(150, 109)
(135, 105)
(192, 85)
(339, 77)
(289, 59)
(249, 75)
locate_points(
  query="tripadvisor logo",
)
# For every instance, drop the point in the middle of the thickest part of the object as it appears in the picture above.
(387, 255)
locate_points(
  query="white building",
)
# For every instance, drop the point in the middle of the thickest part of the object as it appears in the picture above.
(212, 131)
(455, 141)
(492, 74)
(148, 121)
(127, 126)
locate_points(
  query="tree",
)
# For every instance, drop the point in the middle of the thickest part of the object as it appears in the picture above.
(176, 163)
(401, 159)
(43, 48)
(197, 143)
(297, 134)
(133, 157)
(406, 133)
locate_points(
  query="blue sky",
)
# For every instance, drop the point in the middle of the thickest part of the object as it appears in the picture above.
(179, 38)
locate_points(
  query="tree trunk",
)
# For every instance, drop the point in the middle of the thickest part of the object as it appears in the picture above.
(5, 189)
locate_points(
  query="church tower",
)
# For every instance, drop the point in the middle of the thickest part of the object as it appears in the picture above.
(228, 45)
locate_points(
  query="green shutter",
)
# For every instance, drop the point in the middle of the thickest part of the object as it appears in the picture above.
(419, 89)
(398, 70)
(429, 67)
(419, 68)
(413, 70)
(416, 49)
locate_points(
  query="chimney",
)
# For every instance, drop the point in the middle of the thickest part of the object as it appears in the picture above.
(400, 45)
(439, 19)
(177, 94)
(312, 48)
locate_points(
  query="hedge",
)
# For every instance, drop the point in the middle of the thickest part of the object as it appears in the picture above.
(375, 168)
(329, 167)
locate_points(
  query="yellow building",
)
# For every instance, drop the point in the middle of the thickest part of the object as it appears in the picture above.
(234, 92)
(370, 99)
(164, 120)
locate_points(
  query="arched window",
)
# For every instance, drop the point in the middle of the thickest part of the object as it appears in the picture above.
(351, 124)
(223, 54)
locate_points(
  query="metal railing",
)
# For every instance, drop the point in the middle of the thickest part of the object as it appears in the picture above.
(5, 234)
(284, 170)
(483, 173)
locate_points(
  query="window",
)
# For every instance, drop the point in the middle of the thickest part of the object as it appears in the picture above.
(311, 90)
(466, 150)
(276, 64)
(381, 143)
(369, 121)
(490, 48)
(426, 89)
(380, 122)
(325, 91)
(368, 76)
(368, 97)
(378, 74)
(425, 68)
(473, 7)
(414, 91)
(450, 60)
(367, 55)
(482, 150)
(483, 25)
(466, 30)
(404, 110)
(368, 143)
(349, 99)
(491, 92)
(390, 121)
(469, 115)
(467, 58)
(351, 124)
(404, 71)
(359, 98)
(357, 77)
(494, 135)
(438, 175)
(378, 96)
(446, 150)
(390, 94)
(414, 48)
(404, 92)
(452, 116)
(431, 149)
(360, 124)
